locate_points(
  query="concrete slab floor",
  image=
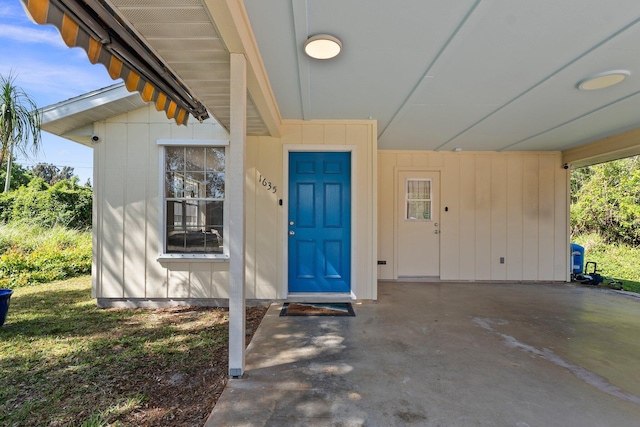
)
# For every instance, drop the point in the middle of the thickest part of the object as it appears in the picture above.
(447, 354)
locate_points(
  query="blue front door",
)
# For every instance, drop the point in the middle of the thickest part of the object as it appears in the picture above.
(319, 222)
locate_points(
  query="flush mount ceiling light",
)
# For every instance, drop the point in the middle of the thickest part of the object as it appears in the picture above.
(602, 80)
(322, 46)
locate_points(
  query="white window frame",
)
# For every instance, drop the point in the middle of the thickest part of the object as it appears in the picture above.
(406, 200)
(162, 217)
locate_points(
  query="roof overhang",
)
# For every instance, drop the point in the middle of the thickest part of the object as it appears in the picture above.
(73, 119)
(466, 75)
(614, 147)
(96, 27)
(174, 53)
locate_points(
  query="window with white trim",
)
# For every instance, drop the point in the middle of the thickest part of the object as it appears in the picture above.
(418, 197)
(194, 199)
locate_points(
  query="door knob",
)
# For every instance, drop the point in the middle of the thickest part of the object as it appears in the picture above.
(290, 222)
(291, 233)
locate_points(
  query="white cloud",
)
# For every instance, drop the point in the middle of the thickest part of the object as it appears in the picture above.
(53, 82)
(32, 35)
(12, 10)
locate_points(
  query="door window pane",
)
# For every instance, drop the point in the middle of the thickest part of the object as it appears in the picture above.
(418, 199)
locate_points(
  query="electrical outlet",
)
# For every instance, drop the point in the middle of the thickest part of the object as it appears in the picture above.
(501, 260)
(382, 262)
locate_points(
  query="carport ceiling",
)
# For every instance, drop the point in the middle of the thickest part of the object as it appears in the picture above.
(436, 75)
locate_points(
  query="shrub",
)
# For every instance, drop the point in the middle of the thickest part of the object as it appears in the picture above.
(65, 203)
(606, 200)
(34, 254)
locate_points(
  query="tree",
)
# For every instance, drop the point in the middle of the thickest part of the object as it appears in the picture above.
(607, 201)
(20, 123)
(51, 173)
(20, 175)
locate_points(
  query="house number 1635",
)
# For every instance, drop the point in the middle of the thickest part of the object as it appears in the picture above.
(267, 184)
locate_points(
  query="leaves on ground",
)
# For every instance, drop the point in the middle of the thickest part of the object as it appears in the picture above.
(66, 362)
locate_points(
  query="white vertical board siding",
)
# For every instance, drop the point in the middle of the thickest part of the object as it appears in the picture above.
(156, 278)
(386, 162)
(546, 218)
(127, 216)
(530, 220)
(337, 134)
(515, 197)
(179, 280)
(266, 238)
(135, 211)
(500, 205)
(112, 207)
(200, 280)
(96, 215)
(263, 217)
(126, 238)
(483, 217)
(267, 219)
(467, 223)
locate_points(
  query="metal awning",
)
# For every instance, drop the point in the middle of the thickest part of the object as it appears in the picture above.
(95, 27)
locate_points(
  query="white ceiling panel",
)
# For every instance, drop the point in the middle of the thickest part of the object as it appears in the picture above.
(504, 71)
(556, 101)
(385, 47)
(426, 127)
(506, 48)
(606, 122)
(437, 75)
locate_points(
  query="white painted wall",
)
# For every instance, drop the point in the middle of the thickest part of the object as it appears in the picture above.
(126, 217)
(512, 205)
(265, 217)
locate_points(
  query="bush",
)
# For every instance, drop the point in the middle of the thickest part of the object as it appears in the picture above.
(65, 203)
(34, 254)
(19, 174)
(606, 201)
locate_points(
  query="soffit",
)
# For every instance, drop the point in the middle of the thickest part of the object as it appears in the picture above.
(74, 117)
(182, 33)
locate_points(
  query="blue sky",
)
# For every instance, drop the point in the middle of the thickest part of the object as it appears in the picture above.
(49, 72)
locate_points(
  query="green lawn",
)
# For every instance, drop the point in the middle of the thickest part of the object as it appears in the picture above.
(65, 362)
(615, 261)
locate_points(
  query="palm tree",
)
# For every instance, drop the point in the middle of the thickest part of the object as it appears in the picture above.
(20, 123)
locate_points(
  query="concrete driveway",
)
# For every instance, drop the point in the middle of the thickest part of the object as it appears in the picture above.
(447, 354)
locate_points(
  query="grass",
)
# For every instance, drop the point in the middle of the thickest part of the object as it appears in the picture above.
(614, 261)
(34, 254)
(65, 362)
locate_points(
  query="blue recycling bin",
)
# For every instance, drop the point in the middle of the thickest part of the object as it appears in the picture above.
(5, 296)
(577, 259)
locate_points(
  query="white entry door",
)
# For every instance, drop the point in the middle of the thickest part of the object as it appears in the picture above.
(418, 226)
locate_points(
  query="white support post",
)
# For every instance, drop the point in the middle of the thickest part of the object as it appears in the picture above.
(235, 191)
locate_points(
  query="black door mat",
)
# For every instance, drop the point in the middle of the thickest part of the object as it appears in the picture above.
(317, 309)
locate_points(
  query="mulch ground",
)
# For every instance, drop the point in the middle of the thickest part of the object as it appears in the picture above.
(179, 399)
